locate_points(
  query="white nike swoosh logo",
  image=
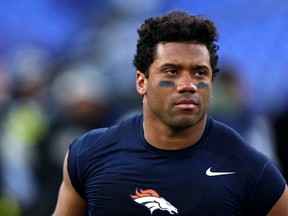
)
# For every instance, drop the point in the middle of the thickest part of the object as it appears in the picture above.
(211, 173)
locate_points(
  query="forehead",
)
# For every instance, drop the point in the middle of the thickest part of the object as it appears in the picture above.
(182, 53)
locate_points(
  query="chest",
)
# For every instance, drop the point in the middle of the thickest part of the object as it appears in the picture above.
(145, 184)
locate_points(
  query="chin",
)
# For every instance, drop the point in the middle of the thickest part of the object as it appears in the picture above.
(184, 122)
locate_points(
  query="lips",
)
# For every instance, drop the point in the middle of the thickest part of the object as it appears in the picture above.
(187, 104)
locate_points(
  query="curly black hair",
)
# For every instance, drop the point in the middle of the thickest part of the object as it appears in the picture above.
(175, 26)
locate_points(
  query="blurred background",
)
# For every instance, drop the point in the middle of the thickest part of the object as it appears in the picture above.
(66, 67)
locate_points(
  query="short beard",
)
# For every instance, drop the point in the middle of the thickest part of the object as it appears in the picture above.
(183, 123)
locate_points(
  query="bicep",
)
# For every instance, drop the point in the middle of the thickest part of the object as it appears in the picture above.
(281, 206)
(69, 201)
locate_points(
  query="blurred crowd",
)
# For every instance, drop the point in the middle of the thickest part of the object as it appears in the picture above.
(78, 75)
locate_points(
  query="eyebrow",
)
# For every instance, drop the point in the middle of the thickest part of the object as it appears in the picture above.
(167, 65)
(179, 66)
(201, 67)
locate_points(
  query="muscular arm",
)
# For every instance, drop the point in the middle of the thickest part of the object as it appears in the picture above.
(69, 202)
(281, 207)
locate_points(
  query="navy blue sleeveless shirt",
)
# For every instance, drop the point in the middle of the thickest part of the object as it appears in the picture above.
(119, 173)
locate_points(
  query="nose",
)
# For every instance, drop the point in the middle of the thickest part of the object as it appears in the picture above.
(186, 84)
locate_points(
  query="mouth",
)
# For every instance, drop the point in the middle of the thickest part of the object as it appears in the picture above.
(186, 104)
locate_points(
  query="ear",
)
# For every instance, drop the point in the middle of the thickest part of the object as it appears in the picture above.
(141, 83)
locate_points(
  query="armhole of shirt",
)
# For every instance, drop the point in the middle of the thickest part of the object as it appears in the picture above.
(76, 150)
(73, 166)
(269, 188)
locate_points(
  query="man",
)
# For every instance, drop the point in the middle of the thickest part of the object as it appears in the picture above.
(173, 159)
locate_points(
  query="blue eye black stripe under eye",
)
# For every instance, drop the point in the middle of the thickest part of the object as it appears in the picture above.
(165, 83)
(202, 85)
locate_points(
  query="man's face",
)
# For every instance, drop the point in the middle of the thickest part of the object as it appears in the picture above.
(178, 90)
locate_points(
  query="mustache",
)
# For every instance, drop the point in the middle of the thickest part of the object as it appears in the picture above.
(187, 97)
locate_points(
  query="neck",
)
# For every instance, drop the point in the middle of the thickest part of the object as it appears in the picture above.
(163, 137)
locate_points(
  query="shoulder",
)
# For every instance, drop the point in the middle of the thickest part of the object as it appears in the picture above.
(226, 147)
(225, 141)
(95, 139)
(221, 136)
(92, 150)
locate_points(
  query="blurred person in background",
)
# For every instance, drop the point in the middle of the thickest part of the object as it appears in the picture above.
(82, 101)
(172, 150)
(230, 106)
(49, 110)
(280, 126)
(281, 129)
(23, 124)
(9, 203)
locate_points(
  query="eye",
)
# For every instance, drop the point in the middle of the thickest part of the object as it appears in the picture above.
(200, 73)
(171, 71)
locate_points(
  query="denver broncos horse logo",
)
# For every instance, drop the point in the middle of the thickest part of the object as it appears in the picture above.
(153, 201)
